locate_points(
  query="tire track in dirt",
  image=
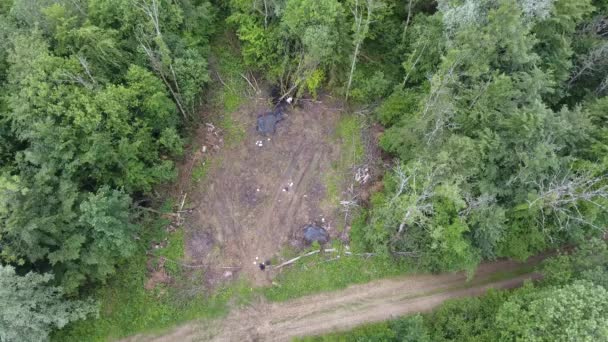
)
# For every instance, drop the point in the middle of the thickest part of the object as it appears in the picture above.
(342, 310)
(311, 164)
(243, 217)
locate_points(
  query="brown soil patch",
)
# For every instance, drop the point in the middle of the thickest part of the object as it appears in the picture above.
(255, 199)
(156, 273)
(342, 310)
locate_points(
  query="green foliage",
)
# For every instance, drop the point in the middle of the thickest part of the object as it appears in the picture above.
(575, 312)
(234, 132)
(589, 262)
(349, 131)
(314, 82)
(199, 172)
(395, 107)
(487, 159)
(78, 137)
(32, 307)
(349, 135)
(230, 95)
(316, 25)
(470, 319)
(89, 117)
(173, 252)
(409, 329)
(292, 42)
(369, 88)
(555, 35)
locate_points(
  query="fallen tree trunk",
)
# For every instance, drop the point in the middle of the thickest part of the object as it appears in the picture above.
(328, 250)
(347, 253)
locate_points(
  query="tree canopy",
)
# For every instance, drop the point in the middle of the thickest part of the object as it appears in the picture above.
(93, 97)
(30, 307)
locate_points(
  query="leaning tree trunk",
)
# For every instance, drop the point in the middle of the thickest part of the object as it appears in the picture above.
(360, 33)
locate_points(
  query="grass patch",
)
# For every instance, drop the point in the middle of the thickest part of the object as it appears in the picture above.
(200, 171)
(234, 131)
(348, 132)
(174, 251)
(320, 273)
(504, 275)
(126, 308)
(229, 93)
(229, 68)
(352, 152)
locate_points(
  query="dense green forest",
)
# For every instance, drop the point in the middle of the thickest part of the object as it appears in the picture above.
(94, 95)
(494, 112)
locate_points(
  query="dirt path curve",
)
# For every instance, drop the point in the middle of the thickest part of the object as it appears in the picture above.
(342, 310)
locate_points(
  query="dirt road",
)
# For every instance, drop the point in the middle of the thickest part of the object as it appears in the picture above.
(356, 305)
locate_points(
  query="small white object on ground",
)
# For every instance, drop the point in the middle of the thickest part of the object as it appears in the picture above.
(258, 190)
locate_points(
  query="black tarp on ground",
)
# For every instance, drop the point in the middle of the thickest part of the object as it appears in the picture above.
(314, 233)
(267, 123)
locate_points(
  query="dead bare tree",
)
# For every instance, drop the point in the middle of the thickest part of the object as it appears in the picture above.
(562, 196)
(410, 69)
(603, 86)
(265, 14)
(407, 20)
(349, 206)
(80, 6)
(265, 9)
(473, 203)
(361, 29)
(158, 52)
(439, 103)
(87, 70)
(597, 26)
(418, 204)
(590, 63)
(297, 76)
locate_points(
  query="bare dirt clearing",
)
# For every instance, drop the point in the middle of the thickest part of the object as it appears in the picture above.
(260, 192)
(356, 305)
